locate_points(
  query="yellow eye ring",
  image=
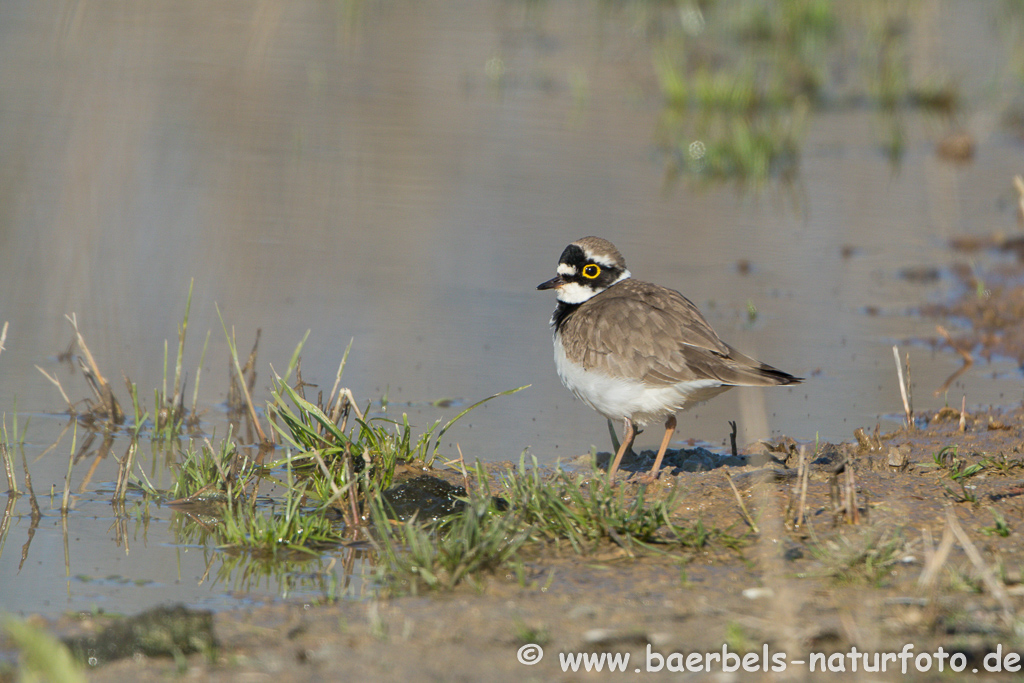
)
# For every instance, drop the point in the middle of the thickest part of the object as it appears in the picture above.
(591, 271)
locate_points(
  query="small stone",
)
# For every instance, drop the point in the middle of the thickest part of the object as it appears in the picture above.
(583, 611)
(599, 636)
(608, 637)
(957, 146)
(897, 457)
(758, 593)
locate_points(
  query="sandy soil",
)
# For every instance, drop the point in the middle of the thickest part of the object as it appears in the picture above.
(784, 590)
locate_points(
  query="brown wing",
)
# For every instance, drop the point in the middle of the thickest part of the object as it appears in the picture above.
(639, 330)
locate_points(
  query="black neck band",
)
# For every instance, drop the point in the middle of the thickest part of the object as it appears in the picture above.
(561, 313)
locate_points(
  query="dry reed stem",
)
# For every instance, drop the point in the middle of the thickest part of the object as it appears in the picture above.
(3, 336)
(743, 508)
(843, 493)
(12, 482)
(910, 391)
(804, 476)
(67, 478)
(5, 521)
(903, 386)
(98, 383)
(963, 416)
(927, 546)
(249, 364)
(462, 466)
(353, 501)
(789, 516)
(994, 585)
(335, 396)
(850, 484)
(1018, 182)
(125, 468)
(352, 401)
(56, 383)
(340, 408)
(936, 559)
(67, 548)
(250, 361)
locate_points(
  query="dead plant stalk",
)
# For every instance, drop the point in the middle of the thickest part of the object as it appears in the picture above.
(936, 558)
(1018, 183)
(994, 585)
(97, 382)
(743, 508)
(12, 483)
(67, 480)
(244, 387)
(56, 382)
(904, 386)
(805, 471)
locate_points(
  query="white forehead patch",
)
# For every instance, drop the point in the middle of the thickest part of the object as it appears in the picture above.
(566, 269)
(600, 259)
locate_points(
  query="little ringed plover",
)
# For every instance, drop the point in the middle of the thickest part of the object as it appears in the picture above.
(637, 352)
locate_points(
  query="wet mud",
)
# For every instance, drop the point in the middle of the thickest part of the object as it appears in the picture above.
(926, 499)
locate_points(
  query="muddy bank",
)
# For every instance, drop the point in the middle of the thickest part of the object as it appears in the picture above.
(904, 574)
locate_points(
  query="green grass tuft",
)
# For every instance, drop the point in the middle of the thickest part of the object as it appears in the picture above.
(42, 657)
(583, 510)
(413, 555)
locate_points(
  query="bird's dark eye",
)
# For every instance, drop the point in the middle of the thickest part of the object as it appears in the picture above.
(591, 270)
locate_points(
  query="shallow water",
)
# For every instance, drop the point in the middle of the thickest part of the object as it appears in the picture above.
(404, 175)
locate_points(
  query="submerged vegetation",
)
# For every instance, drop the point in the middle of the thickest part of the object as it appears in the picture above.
(740, 81)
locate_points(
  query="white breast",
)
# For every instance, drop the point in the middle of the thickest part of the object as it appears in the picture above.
(616, 398)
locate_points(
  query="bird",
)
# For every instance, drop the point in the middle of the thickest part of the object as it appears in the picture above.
(637, 352)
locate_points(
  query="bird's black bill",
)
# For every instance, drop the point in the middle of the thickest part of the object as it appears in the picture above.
(554, 282)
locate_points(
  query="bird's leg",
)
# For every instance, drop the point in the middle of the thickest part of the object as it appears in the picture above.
(628, 434)
(670, 428)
